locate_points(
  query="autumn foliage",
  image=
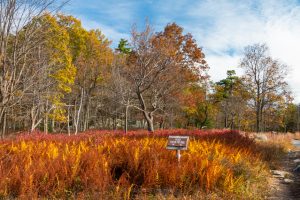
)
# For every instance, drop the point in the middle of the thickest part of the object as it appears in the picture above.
(111, 164)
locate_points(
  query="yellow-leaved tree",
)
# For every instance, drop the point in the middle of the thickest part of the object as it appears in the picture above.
(90, 55)
(94, 64)
(61, 68)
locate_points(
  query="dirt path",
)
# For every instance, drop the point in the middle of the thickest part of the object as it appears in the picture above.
(285, 184)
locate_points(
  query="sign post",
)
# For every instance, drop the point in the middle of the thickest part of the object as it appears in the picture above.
(178, 143)
(178, 155)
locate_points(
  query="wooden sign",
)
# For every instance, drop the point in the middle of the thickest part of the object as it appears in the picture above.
(178, 142)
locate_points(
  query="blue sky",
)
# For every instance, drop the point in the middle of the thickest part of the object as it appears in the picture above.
(221, 27)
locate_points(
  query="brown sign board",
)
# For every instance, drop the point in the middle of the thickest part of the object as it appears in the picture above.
(178, 142)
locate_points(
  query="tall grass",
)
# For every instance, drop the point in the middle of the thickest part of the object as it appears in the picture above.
(283, 139)
(276, 147)
(101, 164)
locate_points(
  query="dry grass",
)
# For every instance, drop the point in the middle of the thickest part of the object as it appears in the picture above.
(283, 139)
(98, 164)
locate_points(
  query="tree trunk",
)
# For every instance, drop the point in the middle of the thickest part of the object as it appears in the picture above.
(34, 118)
(238, 121)
(114, 122)
(149, 119)
(161, 123)
(206, 117)
(46, 124)
(262, 120)
(87, 126)
(53, 125)
(257, 122)
(4, 125)
(171, 119)
(86, 113)
(232, 121)
(126, 119)
(257, 116)
(226, 115)
(68, 121)
(258, 108)
(76, 120)
(148, 115)
(225, 121)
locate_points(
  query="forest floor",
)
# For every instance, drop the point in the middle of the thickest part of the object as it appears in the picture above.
(285, 183)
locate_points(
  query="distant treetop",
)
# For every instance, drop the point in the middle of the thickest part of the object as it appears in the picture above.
(123, 46)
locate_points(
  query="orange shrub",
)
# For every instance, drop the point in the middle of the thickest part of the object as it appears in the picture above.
(104, 165)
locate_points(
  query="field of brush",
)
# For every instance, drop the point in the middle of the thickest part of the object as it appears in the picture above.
(112, 165)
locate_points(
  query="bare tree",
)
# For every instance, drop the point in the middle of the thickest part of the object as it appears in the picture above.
(19, 35)
(121, 88)
(265, 79)
(160, 65)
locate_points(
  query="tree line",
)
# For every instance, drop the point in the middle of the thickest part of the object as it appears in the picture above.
(57, 76)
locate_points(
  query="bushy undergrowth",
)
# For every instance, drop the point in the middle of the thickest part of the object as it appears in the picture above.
(275, 148)
(282, 139)
(101, 164)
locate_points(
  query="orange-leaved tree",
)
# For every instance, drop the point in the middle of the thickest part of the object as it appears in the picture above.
(160, 66)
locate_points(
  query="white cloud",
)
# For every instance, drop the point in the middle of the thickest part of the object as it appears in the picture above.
(120, 11)
(283, 39)
(218, 71)
(111, 17)
(236, 24)
(108, 31)
(223, 27)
